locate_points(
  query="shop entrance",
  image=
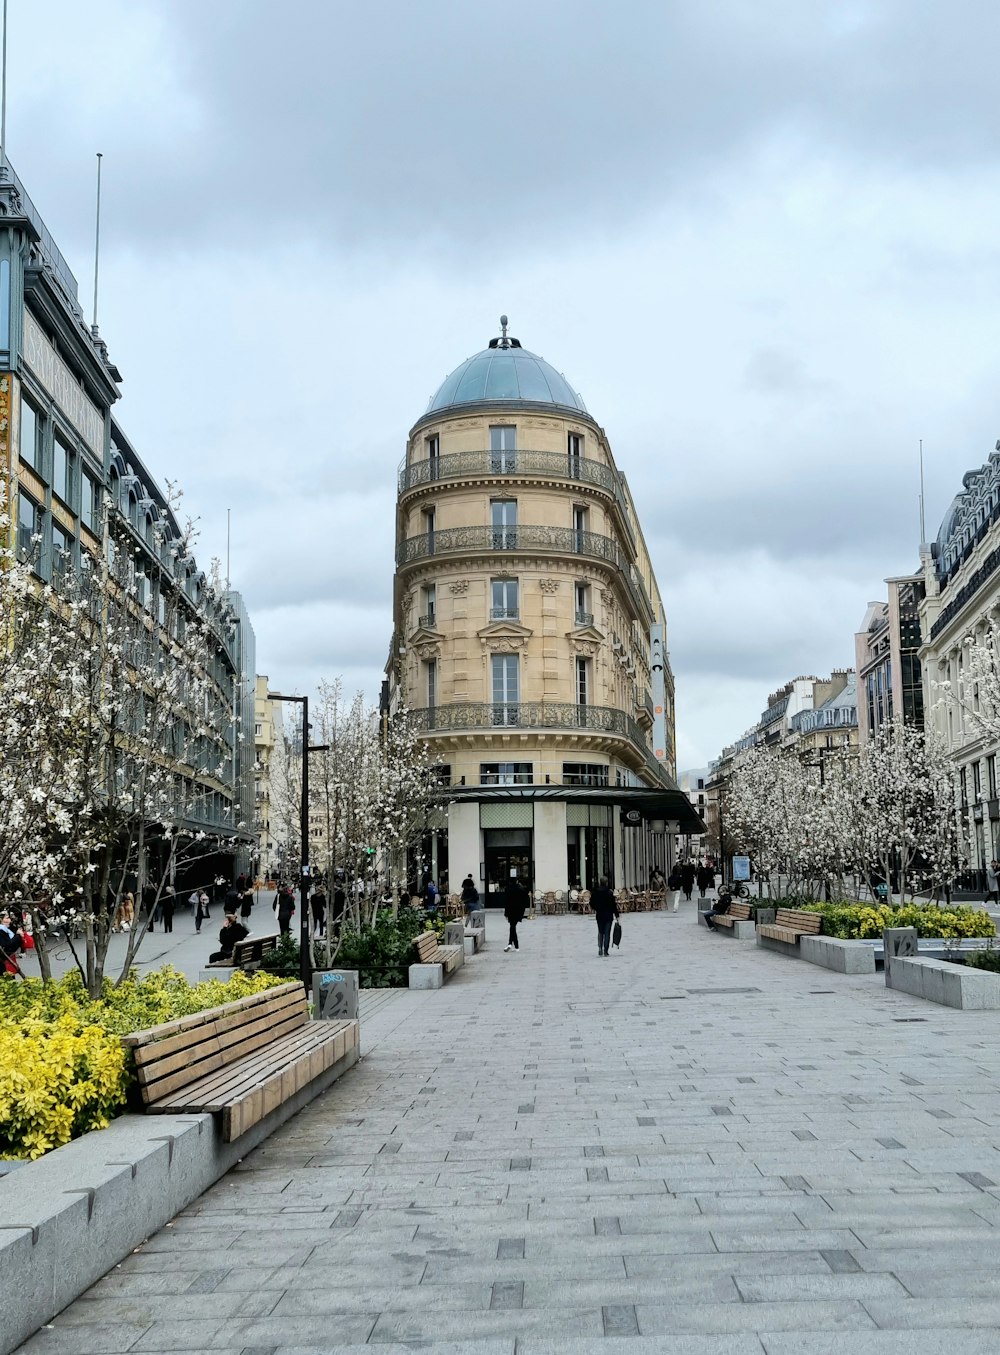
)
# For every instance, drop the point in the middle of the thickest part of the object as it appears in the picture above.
(506, 850)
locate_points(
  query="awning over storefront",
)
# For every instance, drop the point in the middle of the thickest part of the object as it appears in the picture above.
(663, 803)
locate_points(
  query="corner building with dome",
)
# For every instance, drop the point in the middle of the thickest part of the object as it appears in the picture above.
(530, 639)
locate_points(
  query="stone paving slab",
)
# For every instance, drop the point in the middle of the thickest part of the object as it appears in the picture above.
(694, 1149)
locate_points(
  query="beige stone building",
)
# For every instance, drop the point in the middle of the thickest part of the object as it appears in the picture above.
(266, 733)
(530, 638)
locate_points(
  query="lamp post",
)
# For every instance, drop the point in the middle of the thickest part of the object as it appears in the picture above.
(305, 943)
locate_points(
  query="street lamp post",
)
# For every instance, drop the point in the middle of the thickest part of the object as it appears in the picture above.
(305, 943)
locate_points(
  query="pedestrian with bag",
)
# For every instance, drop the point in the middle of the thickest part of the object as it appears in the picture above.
(515, 907)
(606, 910)
(674, 885)
(200, 909)
(167, 907)
(11, 946)
(706, 878)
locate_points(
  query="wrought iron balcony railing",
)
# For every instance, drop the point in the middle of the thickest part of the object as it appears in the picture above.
(565, 540)
(541, 715)
(519, 461)
(428, 620)
(584, 618)
(505, 613)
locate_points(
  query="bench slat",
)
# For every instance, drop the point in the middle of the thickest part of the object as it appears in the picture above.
(152, 1034)
(214, 1090)
(289, 999)
(264, 1033)
(224, 1046)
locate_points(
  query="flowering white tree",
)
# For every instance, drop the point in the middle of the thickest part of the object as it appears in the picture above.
(976, 691)
(104, 706)
(840, 821)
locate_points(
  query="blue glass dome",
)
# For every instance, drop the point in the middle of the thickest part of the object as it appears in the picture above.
(505, 373)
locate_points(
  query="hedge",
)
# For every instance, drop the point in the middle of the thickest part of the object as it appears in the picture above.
(854, 921)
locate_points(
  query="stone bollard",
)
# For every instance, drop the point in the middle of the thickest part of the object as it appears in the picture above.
(454, 934)
(897, 942)
(336, 995)
(477, 918)
(765, 915)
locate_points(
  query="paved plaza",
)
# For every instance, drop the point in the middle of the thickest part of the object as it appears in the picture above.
(692, 1147)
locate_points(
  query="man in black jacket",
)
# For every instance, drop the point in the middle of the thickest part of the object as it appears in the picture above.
(605, 911)
(229, 933)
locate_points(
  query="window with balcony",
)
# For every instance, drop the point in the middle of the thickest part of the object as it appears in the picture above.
(30, 446)
(585, 774)
(433, 445)
(503, 449)
(581, 519)
(503, 520)
(428, 519)
(506, 686)
(582, 682)
(505, 773)
(581, 597)
(503, 600)
(428, 597)
(574, 454)
(431, 674)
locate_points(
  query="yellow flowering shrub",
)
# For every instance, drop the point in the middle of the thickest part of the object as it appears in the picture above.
(57, 1080)
(63, 1068)
(853, 921)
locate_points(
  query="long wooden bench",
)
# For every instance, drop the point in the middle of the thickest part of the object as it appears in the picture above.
(247, 954)
(790, 924)
(239, 1061)
(738, 912)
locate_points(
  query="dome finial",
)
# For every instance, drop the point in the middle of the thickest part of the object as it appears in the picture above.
(503, 326)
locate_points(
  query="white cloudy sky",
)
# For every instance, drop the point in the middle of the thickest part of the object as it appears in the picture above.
(760, 239)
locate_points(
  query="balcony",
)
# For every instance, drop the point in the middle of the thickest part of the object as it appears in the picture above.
(462, 716)
(551, 465)
(428, 620)
(560, 540)
(505, 613)
(584, 618)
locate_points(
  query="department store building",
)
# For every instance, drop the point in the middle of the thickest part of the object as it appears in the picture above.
(530, 638)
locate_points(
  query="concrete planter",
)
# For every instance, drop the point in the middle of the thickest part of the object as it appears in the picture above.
(950, 985)
(68, 1218)
(844, 957)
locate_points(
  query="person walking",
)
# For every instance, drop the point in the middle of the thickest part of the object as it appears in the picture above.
(317, 906)
(706, 878)
(246, 906)
(200, 909)
(605, 911)
(167, 902)
(687, 874)
(284, 906)
(230, 932)
(515, 907)
(993, 881)
(470, 894)
(674, 885)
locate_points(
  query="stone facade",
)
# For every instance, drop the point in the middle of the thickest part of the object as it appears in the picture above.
(524, 601)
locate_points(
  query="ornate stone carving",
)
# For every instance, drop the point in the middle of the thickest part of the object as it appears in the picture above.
(505, 644)
(549, 585)
(459, 588)
(588, 648)
(428, 649)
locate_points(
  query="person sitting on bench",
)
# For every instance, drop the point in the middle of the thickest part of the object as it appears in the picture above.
(230, 932)
(721, 905)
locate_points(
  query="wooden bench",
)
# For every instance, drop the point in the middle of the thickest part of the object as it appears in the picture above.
(434, 962)
(247, 954)
(239, 1061)
(790, 924)
(738, 912)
